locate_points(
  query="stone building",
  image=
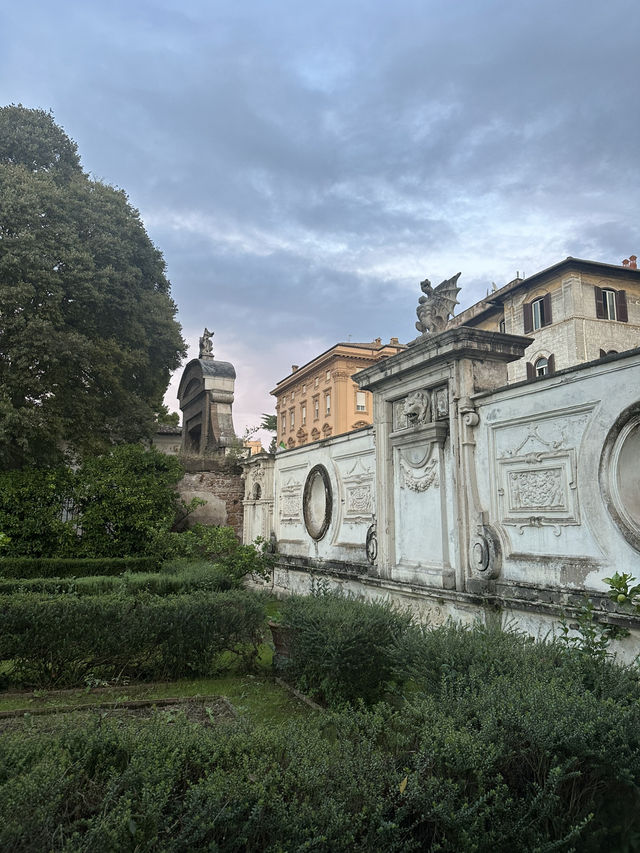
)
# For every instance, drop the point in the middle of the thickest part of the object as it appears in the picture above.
(575, 311)
(320, 399)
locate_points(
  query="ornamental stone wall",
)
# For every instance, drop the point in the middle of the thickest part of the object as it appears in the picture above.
(468, 492)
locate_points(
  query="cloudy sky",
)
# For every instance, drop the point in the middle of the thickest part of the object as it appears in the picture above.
(303, 166)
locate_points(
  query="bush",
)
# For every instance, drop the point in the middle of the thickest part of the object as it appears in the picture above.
(191, 578)
(60, 567)
(512, 768)
(342, 649)
(220, 545)
(62, 639)
(122, 503)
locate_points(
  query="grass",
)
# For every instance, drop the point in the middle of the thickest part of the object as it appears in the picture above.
(255, 696)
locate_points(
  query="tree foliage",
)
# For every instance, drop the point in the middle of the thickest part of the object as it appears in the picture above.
(88, 335)
(120, 504)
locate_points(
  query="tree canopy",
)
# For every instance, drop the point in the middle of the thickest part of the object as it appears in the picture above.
(88, 335)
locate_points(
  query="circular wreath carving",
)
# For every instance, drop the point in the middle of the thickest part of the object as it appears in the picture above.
(620, 474)
(317, 502)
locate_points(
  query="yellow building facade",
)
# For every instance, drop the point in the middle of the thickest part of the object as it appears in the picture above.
(320, 399)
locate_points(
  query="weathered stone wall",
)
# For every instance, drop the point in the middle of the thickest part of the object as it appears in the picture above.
(469, 492)
(221, 487)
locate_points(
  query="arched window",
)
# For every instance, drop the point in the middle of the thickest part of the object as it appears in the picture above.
(542, 367)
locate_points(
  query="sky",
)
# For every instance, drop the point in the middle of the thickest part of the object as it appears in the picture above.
(303, 166)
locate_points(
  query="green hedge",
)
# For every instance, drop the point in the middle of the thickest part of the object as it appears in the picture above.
(342, 649)
(511, 768)
(61, 567)
(190, 578)
(64, 639)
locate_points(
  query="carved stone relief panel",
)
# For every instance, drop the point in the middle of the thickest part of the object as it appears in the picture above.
(536, 473)
(421, 407)
(358, 491)
(291, 502)
(418, 471)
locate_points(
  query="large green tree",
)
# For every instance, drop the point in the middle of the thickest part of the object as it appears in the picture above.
(88, 335)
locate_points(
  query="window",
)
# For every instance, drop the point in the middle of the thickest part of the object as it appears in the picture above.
(611, 304)
(316, 408)
(542, 367)
(284, 423)
(316, 382)
(502, 327)
(537, 309)
(303, 414)
(361, 401)
(293, 418)
(304, 389)
(293, 396)
(327, 400)
(537, 314)
(328, 375)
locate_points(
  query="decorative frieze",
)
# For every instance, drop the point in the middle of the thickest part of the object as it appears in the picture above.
(537, 481)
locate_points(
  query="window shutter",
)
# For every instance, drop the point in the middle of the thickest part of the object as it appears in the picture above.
(621, 306)
(531, 371)
(547, 309)
(528, 318)
(552, 363)
(599, 303)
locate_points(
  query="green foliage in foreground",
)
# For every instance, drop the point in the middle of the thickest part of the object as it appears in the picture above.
(487, 763)
(174, 580)
(342, 649)
(62, 640)
(40, 568)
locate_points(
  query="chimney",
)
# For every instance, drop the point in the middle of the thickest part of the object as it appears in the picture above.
(294, 367)
(633, 262)
(625, 263)
(394, 342)
(378, 341)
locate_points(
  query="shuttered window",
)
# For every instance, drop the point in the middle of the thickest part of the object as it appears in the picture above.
(537, 314)
(611, 304)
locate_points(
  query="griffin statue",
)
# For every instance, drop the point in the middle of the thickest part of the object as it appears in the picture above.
(437, 304)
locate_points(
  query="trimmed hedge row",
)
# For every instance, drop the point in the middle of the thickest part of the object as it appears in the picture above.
(62, 640)
(63, 567)
(508, 768)
(191, 578)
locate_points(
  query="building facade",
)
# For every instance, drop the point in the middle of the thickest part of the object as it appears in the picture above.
(320, 399)
(576, 311)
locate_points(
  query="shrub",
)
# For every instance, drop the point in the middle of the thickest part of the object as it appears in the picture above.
(121, 503)
(512, 768)
(220, 545)
(62, 639)
(342, 649)
(60, 567)
(190, 578)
